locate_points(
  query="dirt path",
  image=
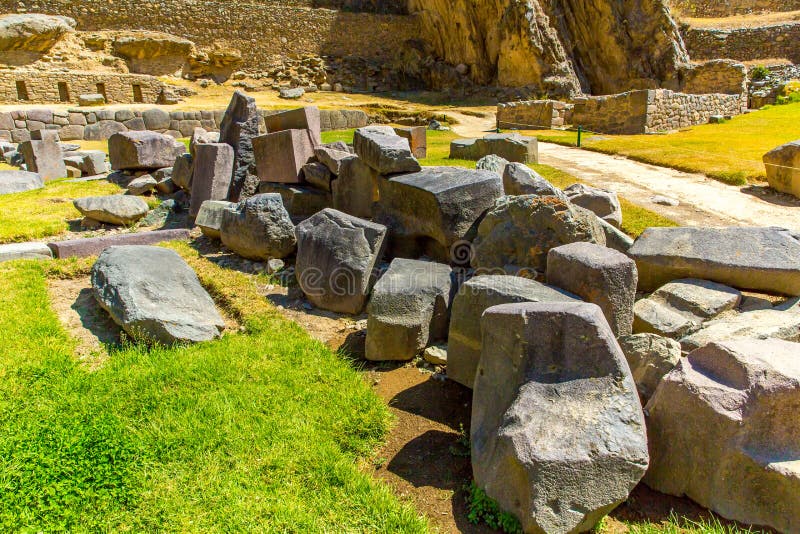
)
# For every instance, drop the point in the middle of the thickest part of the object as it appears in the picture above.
(704, 202)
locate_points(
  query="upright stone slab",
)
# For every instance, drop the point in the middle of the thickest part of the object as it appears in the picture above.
(385, 151)
(783, 168)
(136, 151)
(356, 188)
(307, 118)
(475, 297)
(153, 294)
(435, 212)
(761, 259)
(598, 275)
(724, 430)
(417, 137)
(558, 435)
(45, 158)
(182, 172)
(336, 258)
(211, 177)
(280, 156)
(209, 217)
(409, 310)
(238, 128)
(259, 228)
(19, 181)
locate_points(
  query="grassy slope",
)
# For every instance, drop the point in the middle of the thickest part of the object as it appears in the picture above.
(256, 432)
(635, 218)
(729, 152)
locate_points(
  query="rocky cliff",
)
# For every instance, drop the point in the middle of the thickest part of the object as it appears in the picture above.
(557, 46)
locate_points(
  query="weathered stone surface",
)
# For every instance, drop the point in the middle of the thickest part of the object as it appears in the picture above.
(280, 156)
(44, 157)
(307, 118)
(724, 430)
(783, 168)
(520, 231)
(598, 275)
(143, 150)
(209, 217)
(182, 172)
(616, 238)
(83, 248)
(492, 163)
(385, 151)
(605, 204)
(512, 147)
(142, 185)
(519, 179)
(156, 119)
(408, 310)
(288, 93)
(356, 188)
(238, 128)
(93, 162)
(554, 401)
(433, 211)
(650, 357)
(201, 137)
(113, 209)
(759, 324)
(154, 54)
(417, 137)
(301, 202)
(656, 317)
(100, 131)
(336, 258)
(153, 294)
(19, 181)
(701, 298)
(318, 175)
(32, 32)
(475, 297)
(259, 228)
(25, 251)
(332, 157)
(761, 259)
(212, 172)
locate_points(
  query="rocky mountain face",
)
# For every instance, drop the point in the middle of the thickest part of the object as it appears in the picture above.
(556, 46)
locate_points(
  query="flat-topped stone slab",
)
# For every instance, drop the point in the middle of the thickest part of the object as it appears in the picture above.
(83, 248)
(19, 181)
(25, 251)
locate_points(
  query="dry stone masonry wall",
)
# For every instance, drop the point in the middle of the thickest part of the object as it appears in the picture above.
(717, 8)
(746, 44)
(38, 87)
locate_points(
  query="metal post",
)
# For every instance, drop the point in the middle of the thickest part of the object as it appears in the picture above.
(580, 131)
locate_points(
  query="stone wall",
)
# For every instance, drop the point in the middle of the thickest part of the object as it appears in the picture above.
(262, 30)
(398, 7)
(634, 112)
(39, 87)
(745, 44)
(100, 124)
(727, 8)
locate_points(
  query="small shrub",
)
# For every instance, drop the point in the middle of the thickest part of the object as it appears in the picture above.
(759, 73)
(483, 508)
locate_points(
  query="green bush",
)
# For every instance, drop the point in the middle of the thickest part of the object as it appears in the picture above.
(759, 73)
(483, 508)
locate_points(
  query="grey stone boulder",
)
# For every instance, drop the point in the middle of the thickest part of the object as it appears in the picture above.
(182, 172)
(318, 175)
(356, 188)
(44, 157)
(120, 210)
(19, 181)
(760, 324)
(724, 430)
(259, 228)
(558, 435)
(650, 357)
(520, 231)
(783, 168)
(598, 275)
(153, 294)
(408, 310)
(651, 316)
(291, 93)
(519, 179)
(209, 217)
(238, 128)
(25, 251)
(143, 150)
(385, 151)
(475, 297)
(760, 259)
(616, 238)
(212, 171)
(492, 163)
(512, 147)
(142, 185)
(436, 211)
(332, 158)
(336, 258)
(605, 204)
(93, 162)
(300, 201)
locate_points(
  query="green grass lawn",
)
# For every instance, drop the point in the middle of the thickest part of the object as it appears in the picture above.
(635, 219)
(262, 431)
(730, 152)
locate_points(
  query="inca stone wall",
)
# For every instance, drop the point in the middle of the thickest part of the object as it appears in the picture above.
(727, 8)
(37, 87)
(262, 30)
(745, 44)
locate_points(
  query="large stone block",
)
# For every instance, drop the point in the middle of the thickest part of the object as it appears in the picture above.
(84, 248)
(757, 324)
(724, 430)
(558, 435)
(598, 275)
(25, 251)
(182, 172)
(19, 181)
(519, 179)
(783, 168)
(761, 259)
(336, 259)
(605, 204)
(356, 188)
(385, 151)
(121, 210)
(650, 357)
(212, 173)
(259, 228)
(280, 156)
(307, 118)
(301, 202)
(408, 310)
(475, 297)
(209, 217)
(44, 157)
(417, 138)
(332, 158)
(437, 210)
(238, 128)
(512, 147)
(143, 151)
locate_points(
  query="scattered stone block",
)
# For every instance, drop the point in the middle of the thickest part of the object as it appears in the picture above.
(318, 175)
(259, 228)
(238, 128)
(25, 251)
(650, 358)
(280, 156)
(143, 151)
(182, 172)
(301, 202)
(291, 93)
(616, 238)
(211, 175)
(475, 297)
(783, 168)
(724, 430)
(560, 406)
(93, 162)
(701, 298)
(519, 179)
(605, 204)
(512, 147)
(492, 163)
(142, 185)
(84, 248)
(409, 310)
(121, 210)
(356, 188)
(598, 275)
(336, 258)
(153, 294)
(760, 324)
(655, 317)
(307, 118)
(332, 158)
(436, 355)
(209, 217)
(19, 181)
(417, 137)
(44, 157)
(385, 151)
